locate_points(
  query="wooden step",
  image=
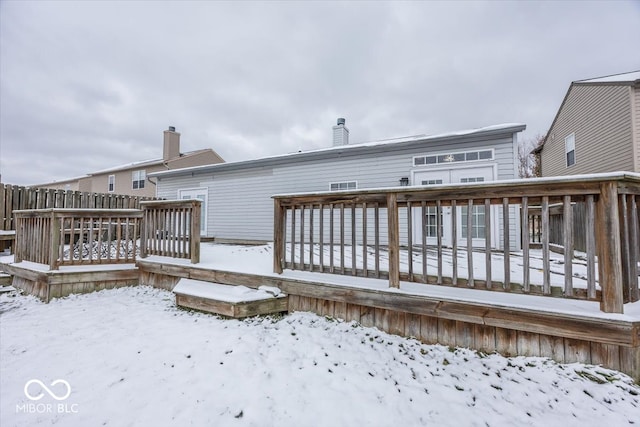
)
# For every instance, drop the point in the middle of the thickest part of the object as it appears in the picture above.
(5, 279)
(229, 300)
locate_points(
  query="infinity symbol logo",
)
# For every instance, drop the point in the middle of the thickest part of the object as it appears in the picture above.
(52, 394)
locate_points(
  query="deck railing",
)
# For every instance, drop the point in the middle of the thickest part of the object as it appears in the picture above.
(472, 235)
(61, 237)
(172, 228)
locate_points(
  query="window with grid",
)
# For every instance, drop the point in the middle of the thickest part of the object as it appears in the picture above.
(477, 216)
(570, 149)
(431, 225)
(138, 178)
(111, 183)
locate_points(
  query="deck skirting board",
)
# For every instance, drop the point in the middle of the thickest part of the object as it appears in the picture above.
(510, 331)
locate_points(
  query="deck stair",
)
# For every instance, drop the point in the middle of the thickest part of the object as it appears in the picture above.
(5, 279)
(229, 300)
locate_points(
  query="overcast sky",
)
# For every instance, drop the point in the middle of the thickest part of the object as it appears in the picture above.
(90, 85)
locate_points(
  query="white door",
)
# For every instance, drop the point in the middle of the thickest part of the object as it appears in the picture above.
(199, 194)
(454, 176)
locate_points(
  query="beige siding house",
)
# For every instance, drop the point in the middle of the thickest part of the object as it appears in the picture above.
(596, 129)
(132, 178)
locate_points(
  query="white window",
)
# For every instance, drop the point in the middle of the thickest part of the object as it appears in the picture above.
(111, 184)
(138, 178)
(570, 149)
(347, 185)
(477, 215)
(468, 156)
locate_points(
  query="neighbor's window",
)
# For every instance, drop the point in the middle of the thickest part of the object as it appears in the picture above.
(468, 156)
(138, 178)
(348, 185)
(111, 185)
(570, 149)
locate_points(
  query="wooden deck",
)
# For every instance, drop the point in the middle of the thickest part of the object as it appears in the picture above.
(464, 317)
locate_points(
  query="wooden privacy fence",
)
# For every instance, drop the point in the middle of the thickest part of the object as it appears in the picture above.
(469, 235)
(13, 197)
(71, 237)
(60, 237)
(172, 228)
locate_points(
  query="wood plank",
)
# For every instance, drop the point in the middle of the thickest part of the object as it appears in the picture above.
(429, 329)
(353, 313)
(553, 347)
(506, 342)
(412, 325)
(327, 308)
(528, 343)
(367, 316)
(397, 320)
(567, 222)
(465, 334)
(470, 278)
(487, 242)
(485, 338)
(630, 361)
(506, 244)
(577, 351)
(606, 355)
(294, 303)
(609, 249)
(381, 319)
(394, 240)
(546, 269)
(447, 332)
(340, 310)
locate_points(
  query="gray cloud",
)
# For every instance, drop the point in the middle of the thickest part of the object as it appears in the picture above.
(89, 85)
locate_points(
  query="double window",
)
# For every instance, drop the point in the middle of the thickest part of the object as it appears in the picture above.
(468, 156)
(570, 149)
(138, 178)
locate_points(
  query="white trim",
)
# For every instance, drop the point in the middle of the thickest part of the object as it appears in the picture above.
(204, 207)
(570, 141)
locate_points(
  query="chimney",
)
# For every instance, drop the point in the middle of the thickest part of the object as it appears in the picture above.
(340, 133)
(171, 144)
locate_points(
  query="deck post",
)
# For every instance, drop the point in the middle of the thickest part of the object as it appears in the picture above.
(278, 241)
(194, 238)
(394, 241)
(54, 239)
(609, 249)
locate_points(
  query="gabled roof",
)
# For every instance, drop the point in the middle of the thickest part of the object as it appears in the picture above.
(623, 79)
(145, 163)
(335, 152)
(629, 77)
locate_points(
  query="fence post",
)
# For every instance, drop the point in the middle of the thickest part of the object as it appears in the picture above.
(394, 242)
(54, 238)
(278, 241)
(194, 240)
(609, 249)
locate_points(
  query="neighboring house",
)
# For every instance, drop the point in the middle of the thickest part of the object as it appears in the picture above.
(132, 178)
(596, 129)
(236, 196)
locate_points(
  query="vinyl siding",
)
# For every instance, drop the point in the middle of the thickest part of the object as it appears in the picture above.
(600, 117)
(240, 204)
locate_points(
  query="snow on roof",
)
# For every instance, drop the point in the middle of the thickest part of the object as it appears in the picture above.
(615, 78)
(515, 127)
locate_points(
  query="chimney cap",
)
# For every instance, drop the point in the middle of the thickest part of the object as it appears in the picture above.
(172, 128)
(341, 121)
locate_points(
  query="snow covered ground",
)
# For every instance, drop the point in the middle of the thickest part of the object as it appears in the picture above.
(130, 357)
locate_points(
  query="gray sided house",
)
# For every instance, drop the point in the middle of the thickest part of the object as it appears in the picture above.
(596, 129)
(237, 195)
